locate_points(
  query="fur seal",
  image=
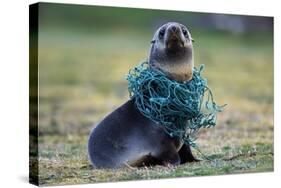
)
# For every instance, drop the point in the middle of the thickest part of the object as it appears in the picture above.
(126, 137)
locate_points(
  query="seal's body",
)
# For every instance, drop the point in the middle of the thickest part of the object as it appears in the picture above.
(126, 137)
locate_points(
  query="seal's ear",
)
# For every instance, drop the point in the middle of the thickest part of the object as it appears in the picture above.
(152, 42)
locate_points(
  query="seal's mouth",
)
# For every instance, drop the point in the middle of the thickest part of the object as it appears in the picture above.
(174, 41)
(175, 44)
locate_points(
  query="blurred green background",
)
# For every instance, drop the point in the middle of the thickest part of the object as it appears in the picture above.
(85, 53)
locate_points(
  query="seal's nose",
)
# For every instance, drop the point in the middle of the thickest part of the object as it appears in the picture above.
(174, 29)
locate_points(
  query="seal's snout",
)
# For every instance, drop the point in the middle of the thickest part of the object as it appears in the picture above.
(174, 38)
(173, 32)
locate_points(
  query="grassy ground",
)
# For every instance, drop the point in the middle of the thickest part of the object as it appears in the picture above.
(82, 80)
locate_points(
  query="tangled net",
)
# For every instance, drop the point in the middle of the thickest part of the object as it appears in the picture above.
(178, 107)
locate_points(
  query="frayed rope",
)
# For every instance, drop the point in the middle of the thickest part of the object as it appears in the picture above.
(176, 106)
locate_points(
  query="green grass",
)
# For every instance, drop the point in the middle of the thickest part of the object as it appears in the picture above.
(82, 79)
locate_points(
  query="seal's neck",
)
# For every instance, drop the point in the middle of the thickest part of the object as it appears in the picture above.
(179, 71)
(182, 72)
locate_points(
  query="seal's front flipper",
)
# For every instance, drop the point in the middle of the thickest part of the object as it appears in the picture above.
(146, 160)
(169, 157)
(186, 154)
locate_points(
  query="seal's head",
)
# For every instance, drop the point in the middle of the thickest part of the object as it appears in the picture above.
(172, 51)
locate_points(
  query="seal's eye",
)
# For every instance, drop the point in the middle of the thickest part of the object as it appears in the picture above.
(184, 31)
(162, 32)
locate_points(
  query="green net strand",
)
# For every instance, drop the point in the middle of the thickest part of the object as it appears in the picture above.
(182, 108)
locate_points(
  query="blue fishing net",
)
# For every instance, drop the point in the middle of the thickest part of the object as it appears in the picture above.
(181, 108)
